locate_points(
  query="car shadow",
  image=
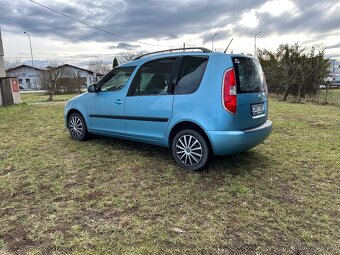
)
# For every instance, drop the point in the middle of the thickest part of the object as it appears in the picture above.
(239, 165)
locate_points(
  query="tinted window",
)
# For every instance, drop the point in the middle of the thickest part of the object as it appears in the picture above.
(191, 74)
(153, 78)
(249, 75)
(116, 79)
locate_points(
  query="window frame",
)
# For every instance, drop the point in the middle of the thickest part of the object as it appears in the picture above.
(105, 78)
(173, 76)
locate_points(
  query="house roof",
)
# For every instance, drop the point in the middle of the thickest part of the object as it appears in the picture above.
(20, 66)
(83, 69)
(57, 67)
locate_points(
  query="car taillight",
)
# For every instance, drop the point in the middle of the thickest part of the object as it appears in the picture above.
(265, 84)
(229, 91)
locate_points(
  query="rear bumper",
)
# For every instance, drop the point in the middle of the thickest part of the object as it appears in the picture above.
(232, 142)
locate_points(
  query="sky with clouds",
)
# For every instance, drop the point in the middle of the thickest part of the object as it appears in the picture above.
(160, 24)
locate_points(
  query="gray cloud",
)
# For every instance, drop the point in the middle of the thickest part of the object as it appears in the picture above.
(333, 46)
(312, 17)
(138, 20)
(162, 20)
(123, 45)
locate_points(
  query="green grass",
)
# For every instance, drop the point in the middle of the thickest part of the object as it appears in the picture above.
(333, 96)
(41, 97)
(108, 196)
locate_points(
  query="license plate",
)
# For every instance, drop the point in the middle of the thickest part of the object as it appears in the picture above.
(257, 109)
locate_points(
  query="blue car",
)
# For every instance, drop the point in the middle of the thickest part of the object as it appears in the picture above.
(196, 102)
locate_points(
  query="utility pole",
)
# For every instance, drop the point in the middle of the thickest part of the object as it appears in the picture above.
(255, 50)
(212, 42)
(2, 65)
(29, 38)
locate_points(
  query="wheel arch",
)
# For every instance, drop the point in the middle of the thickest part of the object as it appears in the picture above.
(71, 111)
(188, 125)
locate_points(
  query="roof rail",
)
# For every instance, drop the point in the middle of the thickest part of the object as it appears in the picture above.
(205, 50)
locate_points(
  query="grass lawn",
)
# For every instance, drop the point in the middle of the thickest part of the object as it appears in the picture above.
(41, 97)
(108, 196)
(333, 96)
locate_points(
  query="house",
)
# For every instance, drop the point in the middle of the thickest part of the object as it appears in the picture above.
(28, 76)
(334, 67)
(89, 77)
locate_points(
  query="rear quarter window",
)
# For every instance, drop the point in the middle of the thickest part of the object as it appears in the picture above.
(190, 74)
(249, 75)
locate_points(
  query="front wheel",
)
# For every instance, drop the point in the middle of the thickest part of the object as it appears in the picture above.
(190, 150)
(77, 127)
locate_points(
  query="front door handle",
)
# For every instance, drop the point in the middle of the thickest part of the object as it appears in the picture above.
(119, 101)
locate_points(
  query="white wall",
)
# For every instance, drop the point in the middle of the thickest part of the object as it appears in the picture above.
(27, 73)
(27, 77)
(82, 73)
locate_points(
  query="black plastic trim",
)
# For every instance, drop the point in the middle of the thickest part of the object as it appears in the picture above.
(154, 119)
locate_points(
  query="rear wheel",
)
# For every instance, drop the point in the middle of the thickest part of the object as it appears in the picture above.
(190, 150)
(77, 127)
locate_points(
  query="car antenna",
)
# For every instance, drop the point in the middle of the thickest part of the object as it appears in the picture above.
(228, 45)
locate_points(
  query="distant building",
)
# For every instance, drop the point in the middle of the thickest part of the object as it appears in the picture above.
(28, 77)
(334, 67)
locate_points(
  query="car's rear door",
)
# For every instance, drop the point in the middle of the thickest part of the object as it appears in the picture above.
(148, 105)
(252, 105)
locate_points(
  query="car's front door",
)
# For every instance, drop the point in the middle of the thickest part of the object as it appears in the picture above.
(148, 105)
(106, 107)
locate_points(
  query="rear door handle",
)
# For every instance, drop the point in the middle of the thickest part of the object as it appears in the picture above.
(119, 101)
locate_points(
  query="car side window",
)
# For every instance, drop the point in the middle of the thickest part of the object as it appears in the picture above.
(191, 74)
(116, 79)
(153, 78)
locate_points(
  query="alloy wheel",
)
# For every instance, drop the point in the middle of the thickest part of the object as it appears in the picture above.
(76, 127)
(189, 150)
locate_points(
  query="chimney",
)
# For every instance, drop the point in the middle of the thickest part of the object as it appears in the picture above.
(2, 66)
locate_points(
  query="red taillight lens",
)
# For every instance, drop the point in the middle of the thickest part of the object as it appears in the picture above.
(265, 84)
(229, 91)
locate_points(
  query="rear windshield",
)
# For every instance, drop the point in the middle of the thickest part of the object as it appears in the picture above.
(249, 75)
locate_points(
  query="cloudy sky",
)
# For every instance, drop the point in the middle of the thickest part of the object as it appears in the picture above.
(160, 24)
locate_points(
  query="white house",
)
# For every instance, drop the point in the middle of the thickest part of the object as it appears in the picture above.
(70, 70)
(28, 77)
(334, 67)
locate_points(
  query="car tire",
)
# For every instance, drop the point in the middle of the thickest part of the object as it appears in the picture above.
(190, 150)
(77, 127)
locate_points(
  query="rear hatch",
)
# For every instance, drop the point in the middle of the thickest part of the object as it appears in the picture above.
(252, 103)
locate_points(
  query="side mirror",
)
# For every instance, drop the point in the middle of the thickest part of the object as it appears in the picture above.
(92, 88)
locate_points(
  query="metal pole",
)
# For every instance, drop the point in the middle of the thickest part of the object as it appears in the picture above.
(212, 42)
(29, 39)
(259, 32)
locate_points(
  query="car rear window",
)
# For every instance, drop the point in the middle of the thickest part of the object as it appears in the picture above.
(249, 75)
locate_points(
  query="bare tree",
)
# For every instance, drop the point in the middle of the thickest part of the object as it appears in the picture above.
(69, 81)
(49, 80)
(129, 56)
(99, 67)
(12, 62)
